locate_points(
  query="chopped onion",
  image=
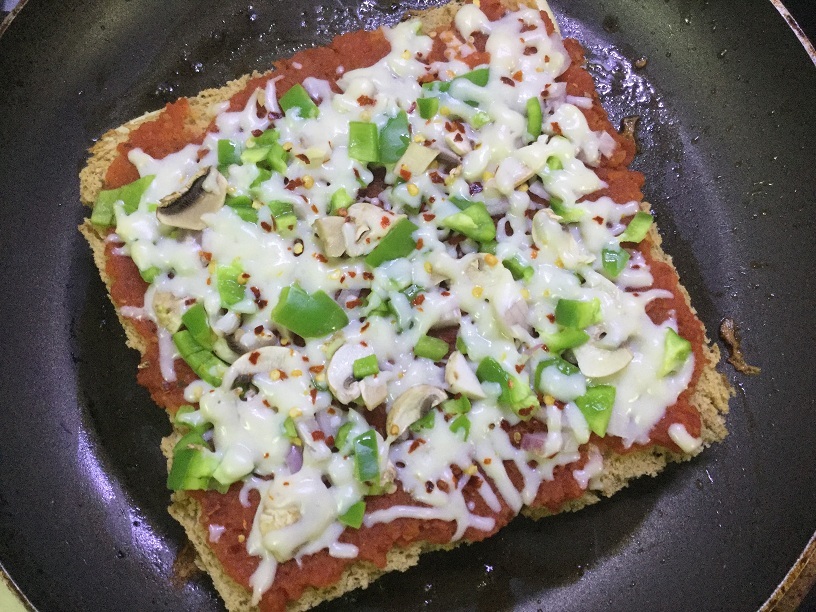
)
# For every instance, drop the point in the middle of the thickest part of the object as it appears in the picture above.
(534, 442)
(294, 459)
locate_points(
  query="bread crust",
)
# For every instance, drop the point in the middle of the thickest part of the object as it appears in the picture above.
(710, 397)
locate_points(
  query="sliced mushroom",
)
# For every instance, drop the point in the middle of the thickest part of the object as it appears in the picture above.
(167, 308)
(340, 373)
(260, 360)
(461, 146)
(461, 378)
(410, 407)
(510, 174)
(369, 224)
(416, 159)
(204, 194)
(596, 362)
(373, 390)
(330, 232)
(447, 318)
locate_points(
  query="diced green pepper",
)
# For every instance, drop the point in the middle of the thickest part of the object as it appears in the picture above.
(514, 394)
(428, 107)
(196, 321)
(268, 137)
(676, 350)
(554, 163)
(365, 366)
(363, 141)
(230, 290)
(577, 314)
(596, 406)
(637, 229)
(565, 339)
(479, 76)
(242, 205)
(480, 119)
(518, 268)
(460, 405)
(394, 138)
(289, 429)
(461, 423)
(284, 215)
(150, 274)
(228, 153)
(426, 422)
(193, 463)
(431, 348)
(411, 291)
(254, 154)
(488, 247)
(104, 215)
(398, 242)
(568, 214)
(366, 457)
(207, 366)
(298, 98)
(614, 261)
(534, 117)
(263, 176)
(563, 366)
(340, 199)
(460, 345)
(353, 517)
(309, 316)
(342, 436)
(474, 222)
(178, 417)
(276, 159)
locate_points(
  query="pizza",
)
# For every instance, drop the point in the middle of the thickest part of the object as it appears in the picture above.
(392, 293)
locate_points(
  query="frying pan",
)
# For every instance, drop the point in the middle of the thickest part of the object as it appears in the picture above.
(726, 136)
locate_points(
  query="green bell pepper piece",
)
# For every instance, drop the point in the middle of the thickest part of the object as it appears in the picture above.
(229, 289)
(342, 436)
(426, 422)
(196, 321)
(614, 261)
(242, 205)
(431, 348)
(365, 366)
(473, 221)
(353, 517)
(397, 243)
(568, 214)
(565, 339)
(284, 215)
(534, 117)
(104, 215)
(676, 350)
(596, 406)
(193, 463)
(394, 138)
(366, 457)
(637, 229)
(309, 316)
(577, 314)
(228, 153)
(340, 199)
(461, 423)
(298, 98)
(207, 366)
(554, 163)
(514, 395)
(363, 141)
(428, 107)
(518, 268)
(563, 366)
(460, 405)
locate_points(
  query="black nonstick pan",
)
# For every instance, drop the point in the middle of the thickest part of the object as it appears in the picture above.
(726, 132)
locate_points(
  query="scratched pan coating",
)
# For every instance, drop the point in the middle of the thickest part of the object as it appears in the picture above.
(726, 129)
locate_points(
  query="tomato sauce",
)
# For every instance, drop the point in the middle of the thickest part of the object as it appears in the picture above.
(171, 131)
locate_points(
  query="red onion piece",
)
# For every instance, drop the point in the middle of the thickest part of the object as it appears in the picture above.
(294, 459)
(328, 423)
(534, 442)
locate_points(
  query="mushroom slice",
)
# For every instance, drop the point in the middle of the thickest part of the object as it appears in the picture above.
(369, 224)
(461, 378)
(596, 362)
(373, 390)
(450, 317)
(340, 373)
(167, 308)
(204, 194)
(330, 232)
(264, 359)
(410, 407)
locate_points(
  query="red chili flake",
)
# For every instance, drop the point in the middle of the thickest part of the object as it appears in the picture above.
(526, 27)
(189, 301)
(551, 318)
(318, 435)
(419, 244)
(449, 126)
(255, 291)
(254, 356)
(266, 226)
(317, 369)
(354, 303)
(547, 60)
(556, 128)
(283, 374)
(476, 480)
(314, 209)
(475, 188)
(329, 439)
(445, 293)
(428, 217)
(530, 50)
(415, 445)
(508, 81)
(435, 178)
(292, 184)
(526, 411)
(257, 133)
(313, 395)
(442, 486)
(599, 220)
(266, 403)
(385, 222)
(458, 138)
(431, 200)
(202, 153)
(405, 173)
(320, 257)
(342, 279)
(300, 242)
(368, 275)
(364, 343)
(519, 368)
(429, 486)
(302, 157)
(518, 75)
(419, 300)
(544, 93)
(258, 330)
(534, 252)
(365, 326)
(206, 256)
(636, 293)
(487, 461)
(352, 274)
(342, 212)
(636, 266)
(366, 101)
(261, 303)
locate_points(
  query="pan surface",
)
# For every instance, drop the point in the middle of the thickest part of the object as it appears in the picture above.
(726, 132)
